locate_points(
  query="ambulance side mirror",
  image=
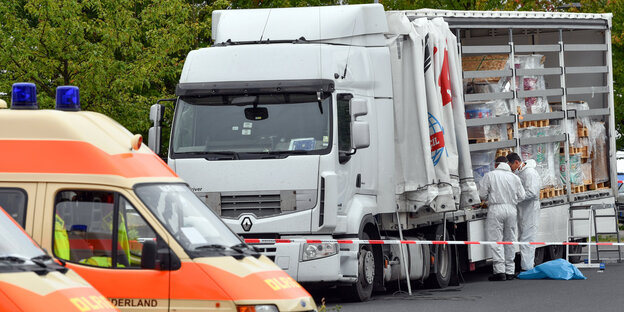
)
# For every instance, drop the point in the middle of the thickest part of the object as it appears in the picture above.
(148, 255)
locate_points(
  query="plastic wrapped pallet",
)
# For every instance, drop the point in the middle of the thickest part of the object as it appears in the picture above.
(600, 171)
(572, 132)
(553, 156)
(574, 126)
(554, 164)
(487, 132)
(482, 163)
(542, 153)
(530, 105)
(586, 169)
(576, 174)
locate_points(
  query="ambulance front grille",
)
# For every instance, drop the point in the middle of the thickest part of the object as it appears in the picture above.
(261, 205)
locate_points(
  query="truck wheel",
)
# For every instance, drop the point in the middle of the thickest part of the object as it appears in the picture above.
(442, 264)
(363, 287)
(539, 255)
(554, 252)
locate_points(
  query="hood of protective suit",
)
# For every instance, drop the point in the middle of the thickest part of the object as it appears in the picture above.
(529, 164)
(503, 166)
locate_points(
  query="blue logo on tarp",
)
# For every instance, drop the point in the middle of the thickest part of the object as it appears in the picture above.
(436, 138)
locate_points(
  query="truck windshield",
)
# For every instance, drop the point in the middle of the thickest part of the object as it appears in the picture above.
(234, 127)
(187, 218)
(14, 242)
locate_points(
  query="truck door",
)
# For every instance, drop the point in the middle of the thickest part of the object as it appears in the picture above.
(102, 235)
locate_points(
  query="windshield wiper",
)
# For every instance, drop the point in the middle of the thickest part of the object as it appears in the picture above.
(273, 154)
(14, 259)
(210, 155)
(37, 260)
(207, 155)
(43, 257)
(212, 246)
(287, 153)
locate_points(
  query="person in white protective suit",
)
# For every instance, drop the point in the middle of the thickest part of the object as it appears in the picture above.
(503, 190)
(529, 208)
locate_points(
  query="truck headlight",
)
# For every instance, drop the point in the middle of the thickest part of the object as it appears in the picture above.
(320, 250)
(257, 308)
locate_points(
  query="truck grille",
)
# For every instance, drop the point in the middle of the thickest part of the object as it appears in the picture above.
(261, 205)
(269, 250)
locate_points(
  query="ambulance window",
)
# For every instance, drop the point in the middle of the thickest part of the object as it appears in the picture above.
(83, 229)
(13, 201)
(138, 231)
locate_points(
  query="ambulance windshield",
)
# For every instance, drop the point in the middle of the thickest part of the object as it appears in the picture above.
(252, 126)
(14, 242)
(187, 218)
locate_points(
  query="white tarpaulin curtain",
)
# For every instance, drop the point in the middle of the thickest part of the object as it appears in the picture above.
(414, 170)
(430, 130)
(469, 193)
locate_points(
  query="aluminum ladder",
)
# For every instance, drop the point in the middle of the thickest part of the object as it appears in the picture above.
(572, 237)
(591, 217)
(616, 231)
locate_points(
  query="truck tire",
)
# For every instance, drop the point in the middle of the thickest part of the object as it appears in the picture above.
(363, 287)
(554, 252)
(442, 264)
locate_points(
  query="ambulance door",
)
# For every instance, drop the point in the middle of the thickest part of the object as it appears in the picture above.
(18, 200)
(107, 242)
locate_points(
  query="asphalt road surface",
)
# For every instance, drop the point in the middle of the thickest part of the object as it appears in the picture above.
(601, 291)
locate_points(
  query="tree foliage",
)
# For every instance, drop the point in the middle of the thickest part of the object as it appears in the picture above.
(126, 54)
(122, 54)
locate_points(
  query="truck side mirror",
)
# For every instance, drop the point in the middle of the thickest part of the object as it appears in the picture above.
(360, 133)
(357, 107)
(148, 255)
(154, 135)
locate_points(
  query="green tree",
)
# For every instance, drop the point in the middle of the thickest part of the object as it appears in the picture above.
(123, 54)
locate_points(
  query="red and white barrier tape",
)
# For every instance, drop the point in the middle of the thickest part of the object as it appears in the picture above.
(418, 242)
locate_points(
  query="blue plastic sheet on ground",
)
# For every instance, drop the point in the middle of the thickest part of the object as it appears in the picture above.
(559, 269)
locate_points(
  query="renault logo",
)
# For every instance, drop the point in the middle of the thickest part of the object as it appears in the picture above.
(246, 224)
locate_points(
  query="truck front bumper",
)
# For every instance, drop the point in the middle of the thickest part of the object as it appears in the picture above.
(341, 267)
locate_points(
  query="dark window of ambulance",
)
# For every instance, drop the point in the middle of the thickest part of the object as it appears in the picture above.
(13, 201)
(99, 228)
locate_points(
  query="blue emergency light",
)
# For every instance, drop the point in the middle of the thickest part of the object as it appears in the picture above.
(24, 96)
(67, 98)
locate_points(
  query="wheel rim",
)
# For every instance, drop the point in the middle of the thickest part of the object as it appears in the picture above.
(368, 267)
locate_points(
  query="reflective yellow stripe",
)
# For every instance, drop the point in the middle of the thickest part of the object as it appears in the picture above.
(61, 240)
